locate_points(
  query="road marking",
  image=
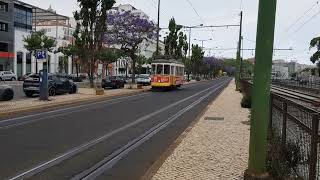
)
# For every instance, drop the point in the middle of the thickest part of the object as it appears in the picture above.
(13, 122)
(112, 159)
(83, 147)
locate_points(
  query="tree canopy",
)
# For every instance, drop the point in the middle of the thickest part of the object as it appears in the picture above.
(176, 44)
(129, 30)
(90, 31)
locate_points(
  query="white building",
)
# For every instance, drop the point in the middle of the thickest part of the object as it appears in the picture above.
(28, 18)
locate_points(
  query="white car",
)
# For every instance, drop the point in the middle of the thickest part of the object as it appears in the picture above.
(7, 76)
(143, 79)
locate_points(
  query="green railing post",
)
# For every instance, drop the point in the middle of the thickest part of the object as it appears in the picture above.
(238, 60)
(261, 88)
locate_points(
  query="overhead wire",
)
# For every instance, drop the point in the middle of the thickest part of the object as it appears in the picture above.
(194, 9)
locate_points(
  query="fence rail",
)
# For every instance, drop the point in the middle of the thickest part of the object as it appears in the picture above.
(296, 129)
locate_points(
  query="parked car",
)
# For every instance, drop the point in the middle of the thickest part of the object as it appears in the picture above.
(143, 79)
(80, 77)
(6, 93)
(24, 77)
(7, 76)
(57, 84)
(113, 82)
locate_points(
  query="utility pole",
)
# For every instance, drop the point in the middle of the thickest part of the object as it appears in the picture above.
(189, 42)
(260, 113)
(158, 28)
(239, 55)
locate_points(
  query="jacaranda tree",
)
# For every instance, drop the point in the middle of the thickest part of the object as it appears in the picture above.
(127, 31)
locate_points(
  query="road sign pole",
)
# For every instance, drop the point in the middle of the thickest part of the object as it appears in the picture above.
(43, 75)
(261, 89)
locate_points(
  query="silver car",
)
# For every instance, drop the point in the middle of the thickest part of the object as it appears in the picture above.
(143, 79)
(7, 76)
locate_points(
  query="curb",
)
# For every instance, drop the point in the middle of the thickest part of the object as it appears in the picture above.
(67, 103)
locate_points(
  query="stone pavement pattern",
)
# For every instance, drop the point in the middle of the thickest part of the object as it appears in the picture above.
(213, 149)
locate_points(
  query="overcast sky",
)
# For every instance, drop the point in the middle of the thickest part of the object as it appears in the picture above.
(296, 24)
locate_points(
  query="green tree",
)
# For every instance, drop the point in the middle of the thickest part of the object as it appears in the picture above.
(109, 55)
(176, 42)
(38, 40)
(196, 58)
(188, 67)
(315, 58)
(141, 60)
(67, 52)
(90, 31)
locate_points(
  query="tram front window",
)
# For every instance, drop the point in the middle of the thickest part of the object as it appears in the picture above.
(166, 70)
(159, 69)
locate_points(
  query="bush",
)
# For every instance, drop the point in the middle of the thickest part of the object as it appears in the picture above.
(283, 159)
(246, 101)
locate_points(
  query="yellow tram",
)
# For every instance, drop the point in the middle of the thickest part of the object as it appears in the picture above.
(167, 73)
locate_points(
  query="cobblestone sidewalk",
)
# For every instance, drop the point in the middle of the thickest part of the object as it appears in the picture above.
(213, 149)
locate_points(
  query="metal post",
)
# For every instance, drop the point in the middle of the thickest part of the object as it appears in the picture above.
(158, 28)
(239, 55)
(189, 42)
(261, 87)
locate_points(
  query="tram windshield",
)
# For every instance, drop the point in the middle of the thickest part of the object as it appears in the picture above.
(159, 69)
(166, 69)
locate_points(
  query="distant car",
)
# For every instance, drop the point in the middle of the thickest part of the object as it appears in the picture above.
(144, 79)
(57, 84)
(7, 76)
(113, 82)
(24, 77)
(6, 93)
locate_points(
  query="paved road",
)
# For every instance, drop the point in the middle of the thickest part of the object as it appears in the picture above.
(64, 143)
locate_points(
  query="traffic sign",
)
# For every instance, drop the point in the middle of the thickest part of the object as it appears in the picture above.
(41, 55)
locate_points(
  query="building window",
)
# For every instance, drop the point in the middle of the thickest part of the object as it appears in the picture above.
(3, 26)
(22, 17)
(3, 6)
(4, 47)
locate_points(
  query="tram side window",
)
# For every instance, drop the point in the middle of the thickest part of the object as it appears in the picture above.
(153, 69)
(167, 69)
(172, 70)
(159, 69)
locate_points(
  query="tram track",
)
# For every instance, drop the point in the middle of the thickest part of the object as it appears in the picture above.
(115, 156)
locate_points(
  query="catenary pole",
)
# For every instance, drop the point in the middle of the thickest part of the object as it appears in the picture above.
(261, 88)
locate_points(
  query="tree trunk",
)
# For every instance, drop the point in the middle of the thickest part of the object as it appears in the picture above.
(91, 78)
(319, 72)
(133, 69)
(77, 69)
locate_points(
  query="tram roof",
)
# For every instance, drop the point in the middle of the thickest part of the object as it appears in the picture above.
(167, 61)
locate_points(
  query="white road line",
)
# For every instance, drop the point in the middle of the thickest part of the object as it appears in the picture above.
(111, 160)
(91, 143)
(4, 124)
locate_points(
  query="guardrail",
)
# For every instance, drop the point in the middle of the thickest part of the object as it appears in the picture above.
(294, 138)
